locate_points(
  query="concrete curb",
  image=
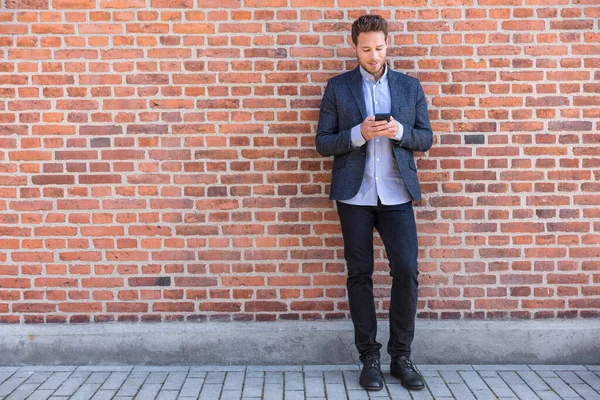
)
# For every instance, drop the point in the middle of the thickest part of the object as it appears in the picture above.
(296, 343)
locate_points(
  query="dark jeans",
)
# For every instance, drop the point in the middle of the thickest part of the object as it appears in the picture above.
(397, 228)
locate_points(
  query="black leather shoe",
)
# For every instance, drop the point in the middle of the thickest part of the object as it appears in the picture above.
(371, 377)
(403, 369)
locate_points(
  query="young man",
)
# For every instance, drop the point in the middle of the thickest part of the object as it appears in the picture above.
(374, 181)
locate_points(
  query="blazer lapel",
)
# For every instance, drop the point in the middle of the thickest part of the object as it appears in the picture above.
(395, 88)
(357, 91)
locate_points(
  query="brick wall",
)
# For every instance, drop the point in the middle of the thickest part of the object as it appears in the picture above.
(158, 160)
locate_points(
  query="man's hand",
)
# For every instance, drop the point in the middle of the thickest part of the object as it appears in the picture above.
(370, 128)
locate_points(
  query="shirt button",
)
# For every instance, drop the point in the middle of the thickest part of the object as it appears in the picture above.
(378, 159)
(376, 179)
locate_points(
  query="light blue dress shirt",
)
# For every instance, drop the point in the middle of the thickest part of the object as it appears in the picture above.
(382, 177)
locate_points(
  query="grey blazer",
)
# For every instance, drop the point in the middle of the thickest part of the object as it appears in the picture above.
(343, 107)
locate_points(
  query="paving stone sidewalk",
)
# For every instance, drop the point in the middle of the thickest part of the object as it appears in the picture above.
(461, 382)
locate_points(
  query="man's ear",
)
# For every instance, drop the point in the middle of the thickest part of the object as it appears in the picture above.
(387, 41)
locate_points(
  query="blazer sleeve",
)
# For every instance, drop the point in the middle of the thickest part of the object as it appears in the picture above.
(418, 137)
(329, 141)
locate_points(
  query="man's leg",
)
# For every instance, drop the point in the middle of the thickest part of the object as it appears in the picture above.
(397, 228)
(357, 230)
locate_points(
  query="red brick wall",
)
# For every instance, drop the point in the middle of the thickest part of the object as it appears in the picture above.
(158, 158)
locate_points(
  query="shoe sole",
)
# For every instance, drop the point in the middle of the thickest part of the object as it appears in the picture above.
(406, 386)
(371, 389)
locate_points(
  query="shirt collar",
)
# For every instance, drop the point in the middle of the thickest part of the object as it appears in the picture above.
(369, 78)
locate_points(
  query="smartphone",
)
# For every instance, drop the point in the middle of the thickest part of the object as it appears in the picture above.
(383, 117)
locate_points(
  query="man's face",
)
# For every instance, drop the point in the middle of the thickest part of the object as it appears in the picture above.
(371, 49)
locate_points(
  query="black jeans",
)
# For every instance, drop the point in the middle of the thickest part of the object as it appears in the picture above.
(397, 228)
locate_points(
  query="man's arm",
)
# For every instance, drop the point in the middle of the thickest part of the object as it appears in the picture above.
(418, 137)
(329, 141)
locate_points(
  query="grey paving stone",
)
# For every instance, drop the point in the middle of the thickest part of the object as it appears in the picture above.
(380, 394)
(438, 387)
(448, 367)
(174, 381)
(335, 391)
(162, 368)
(22, 392)
(85, 391)
(351, 380)
(512, 367)
(561, 388)
(231, 395)
(278, 368)
(357, 395)
(213, 368)
(293, 381)
(593, 367)
(452, 377)
(558, 367)
(351, 367)
(569, 377)
(545, 395)
(314, 386)
(54, 381)
(210, 391)
(196, 374)
(5, 375)
(40, 395)
(272, 377)
(547, 374)
(132, 384)
(214, 377)
(523, 391)
(70, 385)
(273, 391)
(511, 378)
(167, 395)
(253, 387)
(234, 381)
(461, 391)
(398, 391)
(157, 377)
(333, 377)
(191, 387)
(9, 369)
(148, 391)
(115, 381)
(590, 378)
(39, 377)
(104, 395)
(11, 384)
(585, 391)
(105, 368)
(98, 377)
(533, 380)
(47, 368)
(499, 387)
(474, 381)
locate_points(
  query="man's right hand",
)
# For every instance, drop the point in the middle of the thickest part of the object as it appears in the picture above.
(370, 128)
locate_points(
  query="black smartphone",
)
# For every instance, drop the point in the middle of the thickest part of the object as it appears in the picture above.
(383, 117)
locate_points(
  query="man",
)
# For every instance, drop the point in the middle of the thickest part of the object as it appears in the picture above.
(374, 181)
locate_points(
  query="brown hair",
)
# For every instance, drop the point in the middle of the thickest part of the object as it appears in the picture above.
(369, 23)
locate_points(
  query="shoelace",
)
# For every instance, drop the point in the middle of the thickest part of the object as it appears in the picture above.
(407, 364)
(373, 362)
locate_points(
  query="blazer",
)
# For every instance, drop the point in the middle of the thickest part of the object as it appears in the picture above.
(343, 107)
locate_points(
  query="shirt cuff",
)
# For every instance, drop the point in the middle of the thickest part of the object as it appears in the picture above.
(357, 139)
(400, 132)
